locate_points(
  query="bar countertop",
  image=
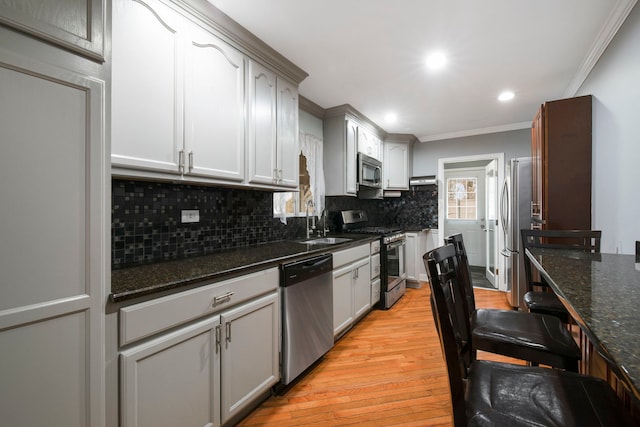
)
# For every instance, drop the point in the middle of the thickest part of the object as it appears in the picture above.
(602, 293)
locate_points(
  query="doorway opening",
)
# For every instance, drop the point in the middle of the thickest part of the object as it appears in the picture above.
(468, 204)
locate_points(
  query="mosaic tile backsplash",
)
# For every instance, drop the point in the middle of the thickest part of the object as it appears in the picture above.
(146, 226)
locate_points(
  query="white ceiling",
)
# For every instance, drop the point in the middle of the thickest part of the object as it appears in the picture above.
(371, 53)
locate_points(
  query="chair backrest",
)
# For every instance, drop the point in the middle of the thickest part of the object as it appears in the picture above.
(581, 240)
(465, 270)
(442, 268)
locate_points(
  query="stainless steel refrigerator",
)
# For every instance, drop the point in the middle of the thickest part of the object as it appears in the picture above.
(515, 214)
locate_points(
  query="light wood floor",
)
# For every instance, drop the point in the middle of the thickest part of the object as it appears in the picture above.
(387, 371)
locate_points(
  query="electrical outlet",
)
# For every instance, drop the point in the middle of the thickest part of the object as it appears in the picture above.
(192, 215)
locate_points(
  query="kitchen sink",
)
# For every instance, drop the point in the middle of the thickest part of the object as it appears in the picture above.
(326, 241)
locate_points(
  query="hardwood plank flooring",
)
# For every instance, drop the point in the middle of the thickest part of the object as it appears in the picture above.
(387, 371)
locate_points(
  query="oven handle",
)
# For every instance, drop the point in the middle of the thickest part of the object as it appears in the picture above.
(396, 244)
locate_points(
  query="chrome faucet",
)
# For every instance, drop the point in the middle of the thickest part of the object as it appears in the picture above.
(313, 219)
(323, 217)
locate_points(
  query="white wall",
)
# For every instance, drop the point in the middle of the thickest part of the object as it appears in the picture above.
(615, 85)
(516, 143)
(309, 123)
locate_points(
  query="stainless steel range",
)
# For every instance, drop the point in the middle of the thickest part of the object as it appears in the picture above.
(393, 276)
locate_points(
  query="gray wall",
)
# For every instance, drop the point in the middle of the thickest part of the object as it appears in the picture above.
(516, 143)
(615, 85)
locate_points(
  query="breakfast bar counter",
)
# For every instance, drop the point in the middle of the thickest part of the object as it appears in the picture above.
(602, 293)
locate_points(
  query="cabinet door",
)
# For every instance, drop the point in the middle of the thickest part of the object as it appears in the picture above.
(173, 380)
(147, 89)
(375, 291)
(214, 107)
(250, 353)
(351, 158)
(411, 249)
(74, 24)
(537, 142)
(262, 152)
(342, 299)
(361, 288)
(288, 148)
(52, 256)
(396, 166)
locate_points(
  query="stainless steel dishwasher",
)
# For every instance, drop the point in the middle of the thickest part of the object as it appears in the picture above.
(307, 308)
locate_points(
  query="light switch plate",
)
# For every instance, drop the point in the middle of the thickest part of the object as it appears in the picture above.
(192, 215)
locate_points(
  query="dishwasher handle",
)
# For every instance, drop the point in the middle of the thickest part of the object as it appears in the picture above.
(299, 271)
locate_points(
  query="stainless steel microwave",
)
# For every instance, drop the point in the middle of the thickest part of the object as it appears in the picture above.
(369, 172)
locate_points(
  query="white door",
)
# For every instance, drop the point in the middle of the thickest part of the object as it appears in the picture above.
(465, 210)
(491, 222)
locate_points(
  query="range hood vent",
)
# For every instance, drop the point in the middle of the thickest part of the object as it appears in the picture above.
(422, 180)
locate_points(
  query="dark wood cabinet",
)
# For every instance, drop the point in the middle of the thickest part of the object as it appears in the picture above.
(561, 151)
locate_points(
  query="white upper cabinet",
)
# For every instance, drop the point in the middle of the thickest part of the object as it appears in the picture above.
(77, 25)
(147, 90)
(288, 150)
(340, 155)
(178, 95)
(262, 125)
(369, 144)
(214, 107)
(396, 163)
(273, 129)
(188, 101)
(347, 132)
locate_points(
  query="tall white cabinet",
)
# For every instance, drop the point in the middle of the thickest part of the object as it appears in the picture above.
(54, 247)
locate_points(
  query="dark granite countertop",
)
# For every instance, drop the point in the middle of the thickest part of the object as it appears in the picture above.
(602, 292)
(130, 282)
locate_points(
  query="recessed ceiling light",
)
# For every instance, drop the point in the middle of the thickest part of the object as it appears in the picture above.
(436, 61)
(391, 118)
(505, 96)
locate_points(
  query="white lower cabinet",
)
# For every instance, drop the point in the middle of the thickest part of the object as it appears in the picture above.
(173, 380)
(250, 349)
(209, 371)
(351, 287)
(418, 243)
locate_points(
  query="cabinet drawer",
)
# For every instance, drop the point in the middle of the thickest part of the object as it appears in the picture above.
(375, 266)
(148, 318)
(350, 255)
(375, 247)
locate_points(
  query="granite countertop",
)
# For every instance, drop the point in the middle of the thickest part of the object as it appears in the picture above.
(128, 282)
(602, 292)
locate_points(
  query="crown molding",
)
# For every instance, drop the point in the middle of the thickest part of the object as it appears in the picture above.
(307, 105)
(472, 132)
(608, 31)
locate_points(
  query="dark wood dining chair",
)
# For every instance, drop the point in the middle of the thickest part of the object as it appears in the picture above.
(535, 338)
(487, 393)
(544, 301)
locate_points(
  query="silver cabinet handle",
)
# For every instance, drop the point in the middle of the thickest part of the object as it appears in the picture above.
(228, 332)
(181, 161)
(190, 161)
(218, 332)
(222, 298)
